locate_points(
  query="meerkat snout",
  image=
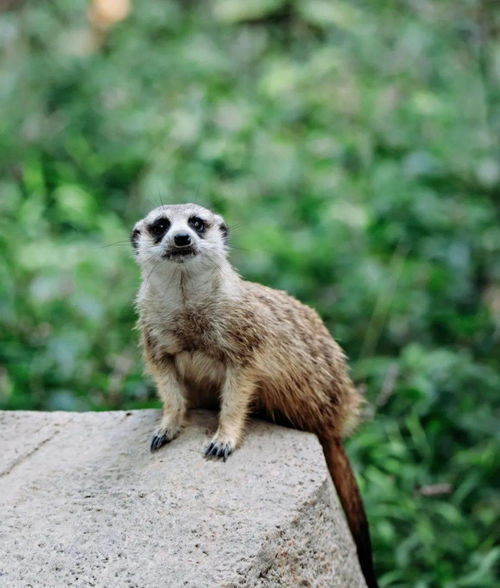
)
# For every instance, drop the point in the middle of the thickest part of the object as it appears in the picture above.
(182, 240)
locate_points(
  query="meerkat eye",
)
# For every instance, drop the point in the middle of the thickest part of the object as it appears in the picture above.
(159, 228)
(197, 223)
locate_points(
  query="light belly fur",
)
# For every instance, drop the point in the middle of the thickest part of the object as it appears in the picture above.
(202, 377)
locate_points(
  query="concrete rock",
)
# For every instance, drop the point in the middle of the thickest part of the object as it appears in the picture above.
(84, 503)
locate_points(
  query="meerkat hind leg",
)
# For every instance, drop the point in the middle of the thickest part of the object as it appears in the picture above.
(174, 410)
(235, 401)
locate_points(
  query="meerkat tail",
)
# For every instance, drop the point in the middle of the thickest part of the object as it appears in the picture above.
(350, 498)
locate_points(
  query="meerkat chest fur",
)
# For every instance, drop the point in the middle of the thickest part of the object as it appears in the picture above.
(181, 311)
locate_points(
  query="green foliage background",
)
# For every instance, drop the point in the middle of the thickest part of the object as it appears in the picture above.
(352, 147)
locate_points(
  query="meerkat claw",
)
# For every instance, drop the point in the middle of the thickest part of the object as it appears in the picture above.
(219, 449)
(227, 451)
(159, 440)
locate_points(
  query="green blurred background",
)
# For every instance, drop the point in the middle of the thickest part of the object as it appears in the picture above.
(353, 148)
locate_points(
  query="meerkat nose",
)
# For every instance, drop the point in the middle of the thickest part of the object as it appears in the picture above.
(182, 240)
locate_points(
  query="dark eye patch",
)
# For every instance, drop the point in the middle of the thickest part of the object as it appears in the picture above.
(159, 228)
(198, 224)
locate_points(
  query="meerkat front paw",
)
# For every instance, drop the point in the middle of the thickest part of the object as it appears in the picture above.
(162, 436)
(220, 449)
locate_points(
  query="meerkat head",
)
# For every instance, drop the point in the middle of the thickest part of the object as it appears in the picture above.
(180, 234)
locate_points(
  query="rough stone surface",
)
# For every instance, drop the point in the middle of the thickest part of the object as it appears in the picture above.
(84, 503)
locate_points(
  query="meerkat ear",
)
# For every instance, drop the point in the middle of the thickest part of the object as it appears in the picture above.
(221, 225)
(134, 238)
(224, 231)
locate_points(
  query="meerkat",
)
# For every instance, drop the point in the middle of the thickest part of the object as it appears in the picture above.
(211, 339)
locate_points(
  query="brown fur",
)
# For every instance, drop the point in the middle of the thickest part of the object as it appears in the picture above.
(210, 337)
